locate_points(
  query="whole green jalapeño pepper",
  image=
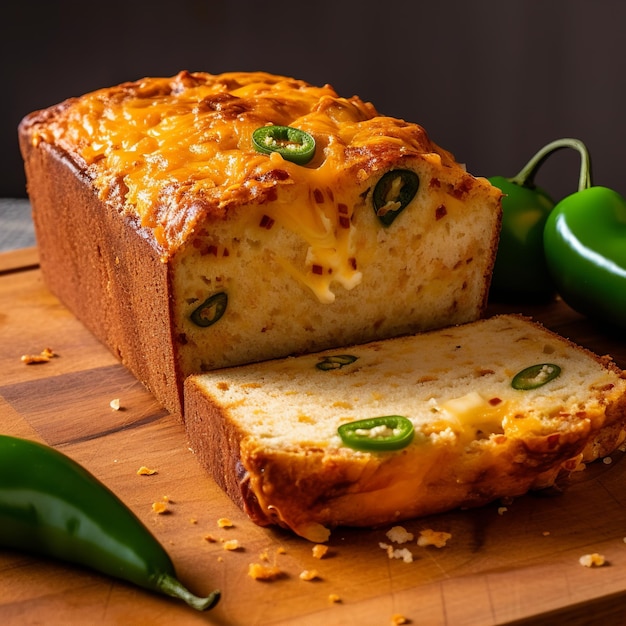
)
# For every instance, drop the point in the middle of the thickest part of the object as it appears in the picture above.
(520, 270)
(52, 506)
(585, 244)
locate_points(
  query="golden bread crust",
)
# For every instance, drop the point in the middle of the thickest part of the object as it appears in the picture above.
(105, 270)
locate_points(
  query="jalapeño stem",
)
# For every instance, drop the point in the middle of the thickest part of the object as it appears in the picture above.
(526, 176)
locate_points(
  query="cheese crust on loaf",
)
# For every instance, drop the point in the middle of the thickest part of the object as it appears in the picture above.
(268, 434)
(184, 249)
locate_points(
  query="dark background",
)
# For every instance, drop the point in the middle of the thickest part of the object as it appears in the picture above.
(491, 80)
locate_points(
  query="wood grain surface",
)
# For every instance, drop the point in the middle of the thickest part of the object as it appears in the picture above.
(517, 564)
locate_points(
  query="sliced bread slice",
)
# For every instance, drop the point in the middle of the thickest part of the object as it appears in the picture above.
(481, 425)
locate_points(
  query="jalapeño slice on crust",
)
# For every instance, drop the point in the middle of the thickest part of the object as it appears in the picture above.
(291, 143)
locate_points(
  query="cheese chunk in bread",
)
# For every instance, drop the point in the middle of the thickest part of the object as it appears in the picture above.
(498, 407)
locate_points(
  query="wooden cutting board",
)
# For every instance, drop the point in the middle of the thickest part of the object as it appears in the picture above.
(517, 564)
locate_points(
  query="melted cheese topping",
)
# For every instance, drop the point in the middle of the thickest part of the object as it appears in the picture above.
(176, 151)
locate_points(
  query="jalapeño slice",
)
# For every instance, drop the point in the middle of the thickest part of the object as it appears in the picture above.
(389, 432)
(211, 310)
(292, 144)
(335, 362)
(535, 376)
(392, 194)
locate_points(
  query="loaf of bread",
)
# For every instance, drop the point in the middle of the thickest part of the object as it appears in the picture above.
(186, 245)
(484, 425)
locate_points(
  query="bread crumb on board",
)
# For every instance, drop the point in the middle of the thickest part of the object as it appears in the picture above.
(334, 598)
(436, 538)
(224, 522)
(398, 620)
(160, 507)
(399, 534)
(232, 545)
(259, 571)
(319, 550)
(309, 574)
(115, 404)
(146, 471)
(399, 553)
(267, 572)
(43, 357)
(592, 560)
